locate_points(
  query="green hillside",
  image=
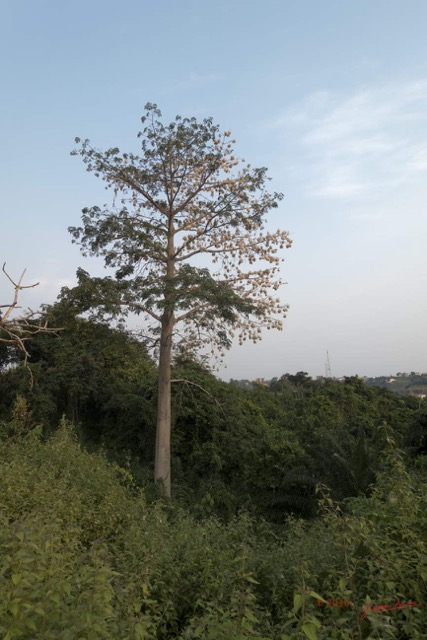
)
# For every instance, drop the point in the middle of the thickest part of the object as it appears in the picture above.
(404, 384)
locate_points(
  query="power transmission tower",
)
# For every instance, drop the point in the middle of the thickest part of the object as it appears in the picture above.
(328, 373)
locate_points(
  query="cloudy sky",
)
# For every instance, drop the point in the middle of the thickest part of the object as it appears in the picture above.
(331, 96)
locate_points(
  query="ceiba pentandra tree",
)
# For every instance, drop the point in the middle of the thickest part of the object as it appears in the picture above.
(185, 234)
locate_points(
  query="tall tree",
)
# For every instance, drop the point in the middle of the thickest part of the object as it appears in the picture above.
(185, 234)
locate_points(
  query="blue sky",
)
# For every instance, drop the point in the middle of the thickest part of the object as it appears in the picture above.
(331, 96)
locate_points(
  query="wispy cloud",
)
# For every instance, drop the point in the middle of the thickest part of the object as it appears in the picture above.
(362, 143)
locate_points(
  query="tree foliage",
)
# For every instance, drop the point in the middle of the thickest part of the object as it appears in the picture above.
(186, 196)
(100, 378)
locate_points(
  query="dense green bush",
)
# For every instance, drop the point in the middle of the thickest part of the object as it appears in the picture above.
(83, 556)
(374, 551)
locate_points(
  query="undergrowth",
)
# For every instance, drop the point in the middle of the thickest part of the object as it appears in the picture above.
(84, 556)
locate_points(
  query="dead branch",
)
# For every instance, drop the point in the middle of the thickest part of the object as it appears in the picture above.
(17, 331)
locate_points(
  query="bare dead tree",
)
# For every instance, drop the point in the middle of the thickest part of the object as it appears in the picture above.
(17, 330)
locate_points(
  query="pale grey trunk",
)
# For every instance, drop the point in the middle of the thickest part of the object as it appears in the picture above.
(162, 464)
(162, 469)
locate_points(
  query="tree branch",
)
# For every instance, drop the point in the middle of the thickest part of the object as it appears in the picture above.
(194, 384)
(19, 330)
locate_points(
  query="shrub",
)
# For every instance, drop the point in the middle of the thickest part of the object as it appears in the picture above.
(83, 556)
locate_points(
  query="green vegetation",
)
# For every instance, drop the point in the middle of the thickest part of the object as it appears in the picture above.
(263, 449)
(404, 384)
(285, 496)
(84, 555)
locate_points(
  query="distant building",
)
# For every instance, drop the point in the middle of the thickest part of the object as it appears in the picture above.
(417, 393)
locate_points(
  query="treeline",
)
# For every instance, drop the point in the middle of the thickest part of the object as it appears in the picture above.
(261, 449)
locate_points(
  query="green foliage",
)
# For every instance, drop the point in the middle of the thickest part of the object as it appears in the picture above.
(83, 556)
(101, 379)
(377, 553)
(258, 448)
(59, 506)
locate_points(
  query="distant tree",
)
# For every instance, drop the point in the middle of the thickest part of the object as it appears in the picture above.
(299, 384)
(185, 234)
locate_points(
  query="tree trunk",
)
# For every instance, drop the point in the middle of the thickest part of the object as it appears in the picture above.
(162, 468)
(162, 464)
